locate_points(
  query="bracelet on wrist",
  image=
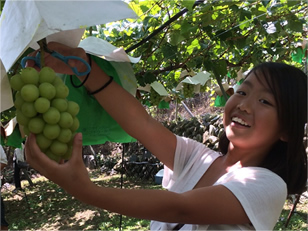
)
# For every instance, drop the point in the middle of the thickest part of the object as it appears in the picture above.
(83, 82)
(102, 88)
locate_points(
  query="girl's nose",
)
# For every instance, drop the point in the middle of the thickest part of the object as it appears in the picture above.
(245, 106)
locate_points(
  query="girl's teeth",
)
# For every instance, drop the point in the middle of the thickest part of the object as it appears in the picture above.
(240, 121)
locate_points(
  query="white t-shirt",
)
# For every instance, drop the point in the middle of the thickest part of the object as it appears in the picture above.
(261, 192)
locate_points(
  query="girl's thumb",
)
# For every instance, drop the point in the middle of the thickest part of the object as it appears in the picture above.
(77, 146)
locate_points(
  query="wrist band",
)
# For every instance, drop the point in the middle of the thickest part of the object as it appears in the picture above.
(103, 87)
(71, 77)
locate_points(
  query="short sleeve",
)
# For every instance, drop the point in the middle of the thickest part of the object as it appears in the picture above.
(261, 192)
(191, 160)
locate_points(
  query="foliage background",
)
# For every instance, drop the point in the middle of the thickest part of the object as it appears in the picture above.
(220, 37)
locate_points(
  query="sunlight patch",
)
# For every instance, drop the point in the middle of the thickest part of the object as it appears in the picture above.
(85, 215)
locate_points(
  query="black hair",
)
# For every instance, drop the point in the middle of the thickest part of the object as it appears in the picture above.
(288, 159)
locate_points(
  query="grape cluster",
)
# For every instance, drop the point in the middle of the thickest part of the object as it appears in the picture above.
(203, 88)
(188, 90)
(42, 108)
(155, 98)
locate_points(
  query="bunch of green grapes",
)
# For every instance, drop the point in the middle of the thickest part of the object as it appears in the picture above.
(203, 88)
(188, 90)
(42, 109)
(155, 98)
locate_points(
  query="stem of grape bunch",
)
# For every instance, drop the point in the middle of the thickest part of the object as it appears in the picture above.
(42, 43)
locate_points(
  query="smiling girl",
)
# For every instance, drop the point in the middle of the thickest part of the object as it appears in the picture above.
(243, 187)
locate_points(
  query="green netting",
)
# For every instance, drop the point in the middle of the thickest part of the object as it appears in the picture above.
(298, 55)
(220, 101)
(163, 105)
(96, 124)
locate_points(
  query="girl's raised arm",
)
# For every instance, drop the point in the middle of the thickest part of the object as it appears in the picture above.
(121, 105)
(132, 116)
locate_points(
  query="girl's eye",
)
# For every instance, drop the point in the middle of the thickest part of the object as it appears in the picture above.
(241, 92)
(265, 102)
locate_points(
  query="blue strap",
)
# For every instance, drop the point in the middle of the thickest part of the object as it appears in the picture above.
(65, 59)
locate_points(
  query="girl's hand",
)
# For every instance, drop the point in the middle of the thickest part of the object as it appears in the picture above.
(72, 175)
(56, 64)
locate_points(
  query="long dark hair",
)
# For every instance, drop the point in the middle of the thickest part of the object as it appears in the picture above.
(286, 159)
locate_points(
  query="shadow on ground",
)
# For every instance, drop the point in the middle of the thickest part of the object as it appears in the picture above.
(46, 206)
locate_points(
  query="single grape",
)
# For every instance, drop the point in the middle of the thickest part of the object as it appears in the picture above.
(51, 116)
(57, 81)
(29, 92)
(60, 104)
(29, 75)
(47, 75)
(21, 118)
(28, 109)
(66, 120)
(18, 100)
(68, 154)
(51, 131)
(47, 90)
(42, 141)
(75, 125)
(16, 82)
(41, 105)
(58, 148)
(52, 156)
(61, 91)
(65, 135)
(73, 108)
(36, 125)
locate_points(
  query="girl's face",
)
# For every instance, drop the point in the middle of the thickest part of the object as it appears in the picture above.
(250, 117)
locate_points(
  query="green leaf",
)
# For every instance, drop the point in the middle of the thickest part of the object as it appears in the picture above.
(194, 45)
(149, 77)
(244, 25)
(224, 34)
(176, 38)
(144, 8)
(188, 4)
(207, 64)
(187, 28)
(206, 19)
(262, 9)
(295, 25)
(220, 68)
(169, 51)
(244, 15)
(209, 30)
(240, 43)
(215, 15)
(293, 2)
(265, 3)
(234, 8)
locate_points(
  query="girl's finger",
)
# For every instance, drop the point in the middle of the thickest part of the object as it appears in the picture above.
(77, 148)
(37, 159)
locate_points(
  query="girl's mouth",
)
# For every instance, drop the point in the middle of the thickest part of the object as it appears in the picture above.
(239, 121)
